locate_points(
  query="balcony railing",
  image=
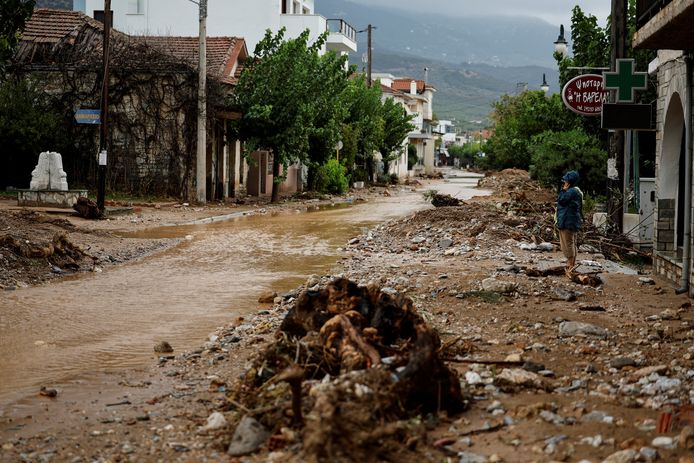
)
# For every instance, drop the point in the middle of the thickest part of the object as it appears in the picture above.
(340, 26)
(646, 9)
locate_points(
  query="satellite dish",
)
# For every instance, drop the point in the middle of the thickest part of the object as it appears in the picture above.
(339, 145)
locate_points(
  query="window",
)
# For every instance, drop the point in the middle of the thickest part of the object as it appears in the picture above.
(136, 6)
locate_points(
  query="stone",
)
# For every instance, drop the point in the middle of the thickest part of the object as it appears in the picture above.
(215, 421)
(647, 371)
(621, 362)
(569, 329)
(648, 454)
(267, 298)
(248, 437)
(545, 247)
(469, 457)
(445, 243)
(472, 378)
(646, 281)
(163, 347)
(512, 378)
(564, 295)
(513, 358)
(663, 442)
(418, 239)
(623, 456)
(498, 286)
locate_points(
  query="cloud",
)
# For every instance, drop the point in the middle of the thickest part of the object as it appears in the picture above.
(552, 11)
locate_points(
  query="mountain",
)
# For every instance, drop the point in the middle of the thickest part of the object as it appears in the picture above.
(471, 61)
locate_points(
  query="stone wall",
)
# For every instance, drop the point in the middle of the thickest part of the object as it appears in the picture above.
(671, 81)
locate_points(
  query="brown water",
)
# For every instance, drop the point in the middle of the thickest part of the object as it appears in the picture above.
(104, 322)
(111, 320)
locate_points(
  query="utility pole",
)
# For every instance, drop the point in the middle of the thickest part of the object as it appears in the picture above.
(368, 51)
(616, 149)
(103, 142)
(201, 158)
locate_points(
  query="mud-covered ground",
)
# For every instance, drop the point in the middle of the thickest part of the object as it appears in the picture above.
(549, 369)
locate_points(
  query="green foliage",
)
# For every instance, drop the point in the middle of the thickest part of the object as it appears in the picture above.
(555, 153)
(396, 126)
(27, 127)
(518, 119)
(288, 95)
(468, 153)
(412, 157)
(333, 178)
(13, 16)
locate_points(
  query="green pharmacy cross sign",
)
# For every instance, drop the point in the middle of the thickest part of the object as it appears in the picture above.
(625, 80)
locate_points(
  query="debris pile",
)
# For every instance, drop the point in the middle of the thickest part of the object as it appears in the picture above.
(441, 200)
(349, 364)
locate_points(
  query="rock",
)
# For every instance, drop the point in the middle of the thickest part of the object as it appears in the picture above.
(621, 362)
(648, 454)
(418, 239)
(663, 442)
(513, 358)
(445, 243)
(686, 439)
(588, 248)
(267, 298)
(163, 347)
(597, 416)
(551, 417)
(248, 437)
(312, 281)
(215, 421)
(48, 392)
(513, 378)
(545, 247)
(647, 371)
(497, 286)
(646, 281)
(623, 456)
(469, 457)
(564, 295)
(472, 378)
(581, 329)
(353, 241)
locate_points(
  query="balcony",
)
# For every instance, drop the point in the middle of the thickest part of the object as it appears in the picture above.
(341, 36)
(664, 24)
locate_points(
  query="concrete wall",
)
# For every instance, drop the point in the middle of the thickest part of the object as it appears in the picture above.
(248, 19)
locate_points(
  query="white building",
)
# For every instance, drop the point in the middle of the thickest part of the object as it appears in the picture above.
(416, 96)
(447, 130)
(248, 19)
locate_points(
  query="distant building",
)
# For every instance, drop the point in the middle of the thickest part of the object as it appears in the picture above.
(417, 97)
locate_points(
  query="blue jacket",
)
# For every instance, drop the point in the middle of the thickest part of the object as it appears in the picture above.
(569, 204)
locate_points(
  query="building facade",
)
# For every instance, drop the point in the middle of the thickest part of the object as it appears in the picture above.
(665, 25)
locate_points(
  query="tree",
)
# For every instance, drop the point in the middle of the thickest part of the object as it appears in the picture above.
(284, 94)
(555, 153)
(366, 123)
(396, 126)
(517, 119)
(13, 16)
(28, 126)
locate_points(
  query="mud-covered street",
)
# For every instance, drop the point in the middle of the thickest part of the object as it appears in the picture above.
(548, 369)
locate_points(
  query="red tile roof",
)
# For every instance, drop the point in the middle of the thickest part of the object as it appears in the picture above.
(224, 54)
(404, 85)
(47, 25)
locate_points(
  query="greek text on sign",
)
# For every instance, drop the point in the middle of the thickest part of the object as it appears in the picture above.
(585, 94)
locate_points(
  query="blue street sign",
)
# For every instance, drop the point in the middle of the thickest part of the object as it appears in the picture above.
(88, 116)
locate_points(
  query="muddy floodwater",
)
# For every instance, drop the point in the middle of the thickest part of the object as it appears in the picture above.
(111, 320)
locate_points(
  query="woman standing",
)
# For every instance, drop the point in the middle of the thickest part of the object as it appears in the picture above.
(569, 218)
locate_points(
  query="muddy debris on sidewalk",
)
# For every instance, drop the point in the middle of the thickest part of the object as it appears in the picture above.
(350, 367)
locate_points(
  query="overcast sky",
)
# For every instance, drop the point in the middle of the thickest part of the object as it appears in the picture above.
(552, 11)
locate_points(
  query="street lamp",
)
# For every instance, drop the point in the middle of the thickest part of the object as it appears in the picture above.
(560, 45)
(545, 86)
